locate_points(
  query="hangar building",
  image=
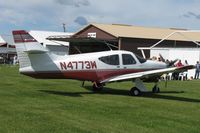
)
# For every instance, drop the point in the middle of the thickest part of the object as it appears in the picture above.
(127, 37)
(7, 50)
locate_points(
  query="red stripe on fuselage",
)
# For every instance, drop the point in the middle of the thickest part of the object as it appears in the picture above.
(89, 75)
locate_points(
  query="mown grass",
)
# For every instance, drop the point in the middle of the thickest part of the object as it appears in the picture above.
(30, 105)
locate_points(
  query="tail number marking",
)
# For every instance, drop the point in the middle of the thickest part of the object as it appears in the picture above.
(78, 65)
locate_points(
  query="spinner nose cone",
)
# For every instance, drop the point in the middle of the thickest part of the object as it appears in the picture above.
(157, 64)
(162, 65)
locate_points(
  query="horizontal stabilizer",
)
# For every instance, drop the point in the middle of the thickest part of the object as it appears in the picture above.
(33, 48)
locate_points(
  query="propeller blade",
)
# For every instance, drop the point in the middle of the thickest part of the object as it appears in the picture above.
(172, 63)
(161, 58)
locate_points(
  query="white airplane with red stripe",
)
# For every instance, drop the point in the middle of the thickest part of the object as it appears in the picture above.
(99, 67)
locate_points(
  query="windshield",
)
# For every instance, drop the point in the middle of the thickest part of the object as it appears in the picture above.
(141, 60)
(128, 59)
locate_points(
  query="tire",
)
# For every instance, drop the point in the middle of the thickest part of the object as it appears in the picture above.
(155, 89)
(135, 91)
(97, 87)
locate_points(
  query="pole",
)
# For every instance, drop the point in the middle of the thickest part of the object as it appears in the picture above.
(64, 27)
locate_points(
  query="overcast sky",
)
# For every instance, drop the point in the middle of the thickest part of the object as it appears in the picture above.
(50, 14)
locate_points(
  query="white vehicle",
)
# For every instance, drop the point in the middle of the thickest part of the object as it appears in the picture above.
(99, 67)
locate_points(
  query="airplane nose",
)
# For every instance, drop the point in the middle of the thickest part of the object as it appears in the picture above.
(156, 64)
(162, 64)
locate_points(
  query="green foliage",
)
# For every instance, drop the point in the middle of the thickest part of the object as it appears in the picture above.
(30, 105)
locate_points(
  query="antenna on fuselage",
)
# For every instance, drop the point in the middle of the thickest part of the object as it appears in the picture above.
(109, 45)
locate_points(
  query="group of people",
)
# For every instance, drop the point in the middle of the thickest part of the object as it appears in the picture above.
(179, 64)
(179, 76)
(4, 59)
(182, 75)
(197, 70)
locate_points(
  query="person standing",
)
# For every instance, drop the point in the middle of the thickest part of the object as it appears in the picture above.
(15, 60)
(185, 74)
(177, 75)
(197, 66)
(179, 64)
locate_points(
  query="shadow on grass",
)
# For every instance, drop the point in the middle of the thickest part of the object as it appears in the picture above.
(71, 94)
(169, 97)
(111, 91)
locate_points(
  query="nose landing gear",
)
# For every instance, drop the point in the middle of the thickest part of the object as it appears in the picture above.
(155, 89)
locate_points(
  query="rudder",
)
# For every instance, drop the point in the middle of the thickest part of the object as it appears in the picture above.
(26, 44)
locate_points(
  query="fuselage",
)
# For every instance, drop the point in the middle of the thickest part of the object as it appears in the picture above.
(96, 66)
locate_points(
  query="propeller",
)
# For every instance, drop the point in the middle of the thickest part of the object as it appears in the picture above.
(169, 64)
(172, 62)
(161, 58)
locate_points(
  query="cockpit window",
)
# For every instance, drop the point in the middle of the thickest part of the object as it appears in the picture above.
(111, 60)
(141, 60)
(128, 59)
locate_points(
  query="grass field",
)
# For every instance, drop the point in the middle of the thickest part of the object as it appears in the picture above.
(29, 105)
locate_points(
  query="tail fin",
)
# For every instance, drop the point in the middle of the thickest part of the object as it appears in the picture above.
(26, 44)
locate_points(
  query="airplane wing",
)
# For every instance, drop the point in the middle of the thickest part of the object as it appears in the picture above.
(148, 74)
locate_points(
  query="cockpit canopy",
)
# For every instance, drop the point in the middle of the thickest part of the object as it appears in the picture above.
(141, 60)
(127, 59)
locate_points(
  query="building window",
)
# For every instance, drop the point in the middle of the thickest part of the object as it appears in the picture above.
(110, 60)
(92, 35)
(128, 59)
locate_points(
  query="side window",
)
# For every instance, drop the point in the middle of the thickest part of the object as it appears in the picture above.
(111, 60)
(128, 59)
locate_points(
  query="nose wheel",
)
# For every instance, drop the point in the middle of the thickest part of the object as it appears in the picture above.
(155, 89)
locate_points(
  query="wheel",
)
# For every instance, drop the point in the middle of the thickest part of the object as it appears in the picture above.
(97, 87)
(135, 91)
(155, 89)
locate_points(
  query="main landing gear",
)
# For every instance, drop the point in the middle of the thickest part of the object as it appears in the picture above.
(97, 86)
(140, 88)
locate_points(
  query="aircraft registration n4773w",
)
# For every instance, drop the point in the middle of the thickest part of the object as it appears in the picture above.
(98, 67)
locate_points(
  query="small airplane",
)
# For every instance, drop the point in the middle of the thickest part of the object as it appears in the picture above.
(99, 67)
